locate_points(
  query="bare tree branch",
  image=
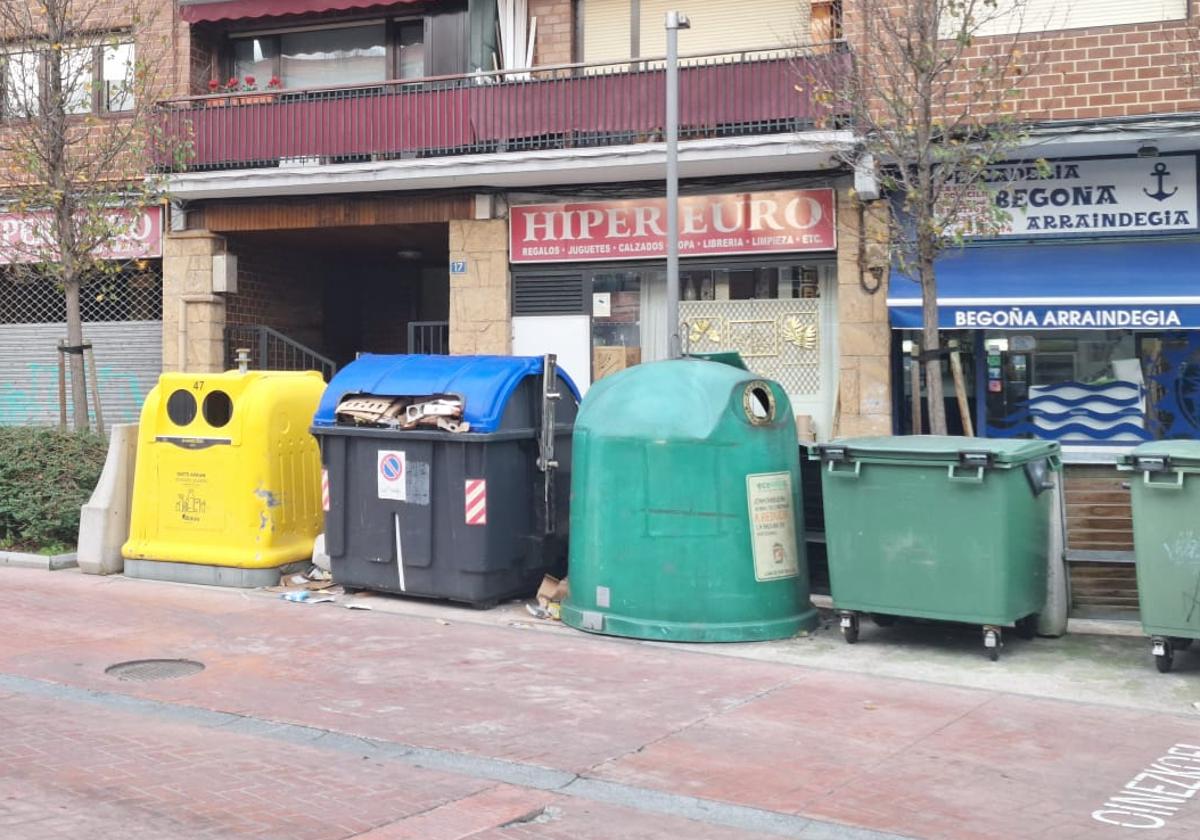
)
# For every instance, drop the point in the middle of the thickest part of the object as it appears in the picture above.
(80, 79)
(936, 104)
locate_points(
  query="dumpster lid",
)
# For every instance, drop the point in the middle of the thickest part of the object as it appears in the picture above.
(1178, 453)
(485, 383)
(941, 448)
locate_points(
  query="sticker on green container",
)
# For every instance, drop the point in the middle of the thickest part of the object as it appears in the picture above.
(772, 525)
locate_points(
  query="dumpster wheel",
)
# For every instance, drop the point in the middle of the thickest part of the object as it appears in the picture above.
(1164, 653)
(849, 624)
(992, 642)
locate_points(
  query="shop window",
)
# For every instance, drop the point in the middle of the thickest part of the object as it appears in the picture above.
(1082, 387)
(964, 343)
(1171, 363)
(758, 283)
(629, 322)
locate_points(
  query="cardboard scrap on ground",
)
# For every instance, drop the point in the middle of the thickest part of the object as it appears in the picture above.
(309, 581)
(550, 596)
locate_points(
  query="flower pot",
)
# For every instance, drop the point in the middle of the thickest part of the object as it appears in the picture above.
(254, 99)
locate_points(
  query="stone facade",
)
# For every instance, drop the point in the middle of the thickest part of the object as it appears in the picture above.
(864, 401)
(193, 317)
(480, 297)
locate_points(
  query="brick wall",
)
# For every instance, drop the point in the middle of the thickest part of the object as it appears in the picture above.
(1094, 73)
(161, 43)
(1111, 72)
(280, 292)
(555, 31)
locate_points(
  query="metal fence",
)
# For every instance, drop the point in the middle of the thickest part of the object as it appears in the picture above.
(565, 106)
(132, 293)
(272, 350)
(431, 337)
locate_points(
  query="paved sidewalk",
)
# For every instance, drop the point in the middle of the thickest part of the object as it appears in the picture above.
(314, 721)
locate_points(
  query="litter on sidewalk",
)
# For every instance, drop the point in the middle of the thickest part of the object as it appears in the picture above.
(550, 596)
(305, 596)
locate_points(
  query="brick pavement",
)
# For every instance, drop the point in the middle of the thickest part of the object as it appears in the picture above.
(320, 722)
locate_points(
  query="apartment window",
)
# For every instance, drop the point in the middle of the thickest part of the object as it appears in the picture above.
(352, 55)
(94, 79)
(346, 55)
(410, 49)
(117, 77)
(353, 52)
(22, 84)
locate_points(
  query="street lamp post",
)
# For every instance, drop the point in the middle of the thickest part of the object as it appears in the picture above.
(675, 22)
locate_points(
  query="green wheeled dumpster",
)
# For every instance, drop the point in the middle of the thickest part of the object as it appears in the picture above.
(685, 500)
(938, 527)
(1166, 542)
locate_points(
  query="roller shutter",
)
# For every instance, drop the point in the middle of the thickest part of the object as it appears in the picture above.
(128, 361)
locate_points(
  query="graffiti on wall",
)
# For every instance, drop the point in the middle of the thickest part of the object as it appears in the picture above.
(31, 398)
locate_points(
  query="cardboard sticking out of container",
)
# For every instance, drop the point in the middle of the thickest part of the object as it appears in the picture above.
(805, 430)
(610, 360)
(552, 590)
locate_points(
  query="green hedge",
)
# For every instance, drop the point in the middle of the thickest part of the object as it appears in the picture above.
(45, 476)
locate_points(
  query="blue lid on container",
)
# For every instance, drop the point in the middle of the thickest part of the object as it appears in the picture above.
(485, 383)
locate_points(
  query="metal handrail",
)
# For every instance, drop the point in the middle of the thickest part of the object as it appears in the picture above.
(504, 76)
(296, 356)
(552, 107)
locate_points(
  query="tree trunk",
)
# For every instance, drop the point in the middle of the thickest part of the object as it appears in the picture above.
(930, 342)
(79, 399)
(58, 177)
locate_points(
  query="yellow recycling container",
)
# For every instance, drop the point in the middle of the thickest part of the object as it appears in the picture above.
(227, 488)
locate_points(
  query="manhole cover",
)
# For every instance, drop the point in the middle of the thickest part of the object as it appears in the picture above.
(147, 670)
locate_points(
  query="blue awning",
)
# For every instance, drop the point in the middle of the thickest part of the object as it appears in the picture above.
(1130, 285)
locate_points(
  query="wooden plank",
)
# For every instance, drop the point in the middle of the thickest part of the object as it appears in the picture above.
(1120, 603)
(1101, 523)
(1100, 509)
(1099, 498)
(1103, 545)
(354, 211)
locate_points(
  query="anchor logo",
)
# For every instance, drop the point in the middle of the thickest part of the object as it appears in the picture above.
(1160, 172)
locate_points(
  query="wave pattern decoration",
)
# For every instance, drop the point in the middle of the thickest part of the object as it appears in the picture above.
(1109, 412)
(1075, 431)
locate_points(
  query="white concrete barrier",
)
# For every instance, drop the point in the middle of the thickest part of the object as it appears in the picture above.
(104, 522)
(1052, 621)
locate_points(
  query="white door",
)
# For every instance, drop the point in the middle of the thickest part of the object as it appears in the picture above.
(569, 337)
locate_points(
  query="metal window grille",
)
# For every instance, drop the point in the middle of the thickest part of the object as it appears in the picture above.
(134, 293)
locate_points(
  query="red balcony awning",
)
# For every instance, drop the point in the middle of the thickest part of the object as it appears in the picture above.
(243, 9)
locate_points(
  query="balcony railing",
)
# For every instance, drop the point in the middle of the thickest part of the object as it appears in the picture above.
(567, 106)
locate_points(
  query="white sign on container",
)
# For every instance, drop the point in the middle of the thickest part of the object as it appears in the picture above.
(772, 525)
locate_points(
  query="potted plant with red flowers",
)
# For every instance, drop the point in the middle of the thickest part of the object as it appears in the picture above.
(250, 85)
